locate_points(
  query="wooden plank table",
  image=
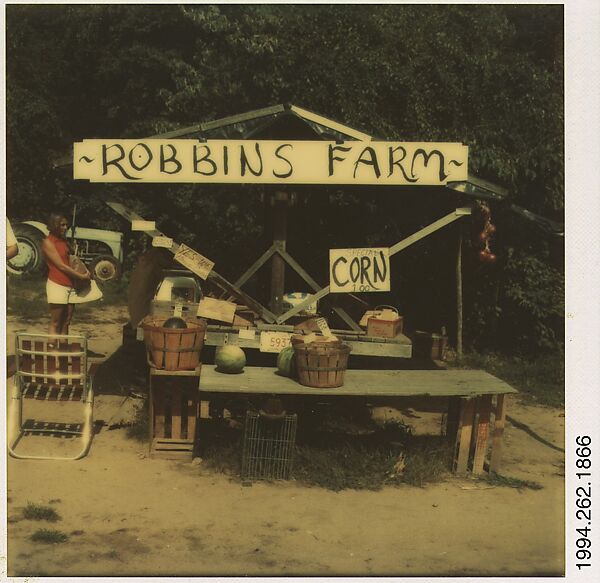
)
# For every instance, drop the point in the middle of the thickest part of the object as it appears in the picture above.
(471, 395)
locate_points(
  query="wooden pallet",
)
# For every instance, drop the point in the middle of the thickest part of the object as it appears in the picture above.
(171, 449)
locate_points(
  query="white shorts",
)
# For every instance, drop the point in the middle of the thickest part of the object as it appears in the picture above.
(62, 294)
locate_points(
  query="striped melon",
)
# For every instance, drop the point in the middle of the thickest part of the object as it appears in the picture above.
(286, 362)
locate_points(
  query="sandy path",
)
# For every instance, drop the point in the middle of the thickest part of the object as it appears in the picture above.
(128, 514)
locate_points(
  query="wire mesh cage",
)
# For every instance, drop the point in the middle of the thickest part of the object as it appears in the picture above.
(268, 447)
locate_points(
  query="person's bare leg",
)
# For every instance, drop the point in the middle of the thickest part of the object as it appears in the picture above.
(67, 318)
(57, 315)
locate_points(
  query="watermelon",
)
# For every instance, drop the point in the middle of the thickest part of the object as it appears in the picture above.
(175, 323)
(286, 362)
(230, 359)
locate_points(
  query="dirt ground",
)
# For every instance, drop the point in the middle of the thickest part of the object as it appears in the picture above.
(130, 515)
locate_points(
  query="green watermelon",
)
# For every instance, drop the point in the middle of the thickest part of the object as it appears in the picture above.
(286, 362)
(230, 359)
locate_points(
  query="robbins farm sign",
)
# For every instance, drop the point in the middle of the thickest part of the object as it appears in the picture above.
(269, 162)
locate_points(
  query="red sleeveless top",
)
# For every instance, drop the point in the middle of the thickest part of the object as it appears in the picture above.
(54, 274)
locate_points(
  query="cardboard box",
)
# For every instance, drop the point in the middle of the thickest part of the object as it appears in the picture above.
(382, 323)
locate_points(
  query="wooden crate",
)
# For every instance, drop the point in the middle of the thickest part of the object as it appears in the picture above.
(174, 409)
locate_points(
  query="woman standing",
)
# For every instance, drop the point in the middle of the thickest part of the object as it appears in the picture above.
(60, 287)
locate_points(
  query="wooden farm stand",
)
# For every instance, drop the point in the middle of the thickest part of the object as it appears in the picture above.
(473, 396)
(469, 393)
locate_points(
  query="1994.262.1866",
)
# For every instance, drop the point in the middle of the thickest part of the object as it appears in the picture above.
(583, 500)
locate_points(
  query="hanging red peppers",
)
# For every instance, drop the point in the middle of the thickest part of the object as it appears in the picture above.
(483, 238)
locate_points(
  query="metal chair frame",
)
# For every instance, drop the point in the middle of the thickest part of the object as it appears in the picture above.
(50, 358)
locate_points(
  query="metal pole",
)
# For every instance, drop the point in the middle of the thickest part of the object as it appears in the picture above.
(459, 299)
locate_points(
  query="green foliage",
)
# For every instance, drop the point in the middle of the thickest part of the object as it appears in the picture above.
(541, 380)
(489, 76)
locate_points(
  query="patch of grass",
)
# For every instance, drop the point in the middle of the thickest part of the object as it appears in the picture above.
(340, 461)
(540, 381)
(510, 482)
(26, 297)
(38, 512)
(48, 536)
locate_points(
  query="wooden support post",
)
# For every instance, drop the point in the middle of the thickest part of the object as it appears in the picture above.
(279, 242)
(465, 430)
(459, 296)
(499, 422)
(452, 419)
(176, 395)
(484, 405)
(159, 412)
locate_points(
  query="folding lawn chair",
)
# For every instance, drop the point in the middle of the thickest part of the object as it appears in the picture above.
(52, 370)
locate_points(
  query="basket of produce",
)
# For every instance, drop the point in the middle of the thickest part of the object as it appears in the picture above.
(321, 362)
(174, 344)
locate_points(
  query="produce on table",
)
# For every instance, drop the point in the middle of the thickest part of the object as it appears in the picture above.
(230, 359)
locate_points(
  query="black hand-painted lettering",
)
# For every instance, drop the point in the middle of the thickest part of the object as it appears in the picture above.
(393, 162)
(244, 163)
(380, 270)
(205, 158)
(115, 162)
(135, 155)
(370, 161)
(334, 273)
(277, 154)
(172, 159)
(365, 265)
(333, 158)
(426, 158)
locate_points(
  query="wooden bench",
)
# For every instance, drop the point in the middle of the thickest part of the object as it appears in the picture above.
(473, 397)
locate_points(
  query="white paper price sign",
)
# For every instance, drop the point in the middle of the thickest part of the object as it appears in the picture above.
(140, 225)
(195, 262)
(274, 341)
(324, 326)
(160, 241)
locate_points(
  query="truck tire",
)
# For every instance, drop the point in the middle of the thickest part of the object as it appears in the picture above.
(105, 268)
(30, 259)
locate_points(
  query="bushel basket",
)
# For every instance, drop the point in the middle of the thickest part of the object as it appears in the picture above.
(174, 349)
(321, 364)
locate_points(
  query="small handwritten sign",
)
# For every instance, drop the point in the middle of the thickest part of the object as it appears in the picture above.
(195, 262)
(359, 270)
(214, 309)
(165, 242)
(178, 310)
(274, 341)
(139, 225)
(247, 334)
(323, 326)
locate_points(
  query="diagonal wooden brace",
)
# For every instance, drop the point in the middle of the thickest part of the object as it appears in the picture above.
(400, 246)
